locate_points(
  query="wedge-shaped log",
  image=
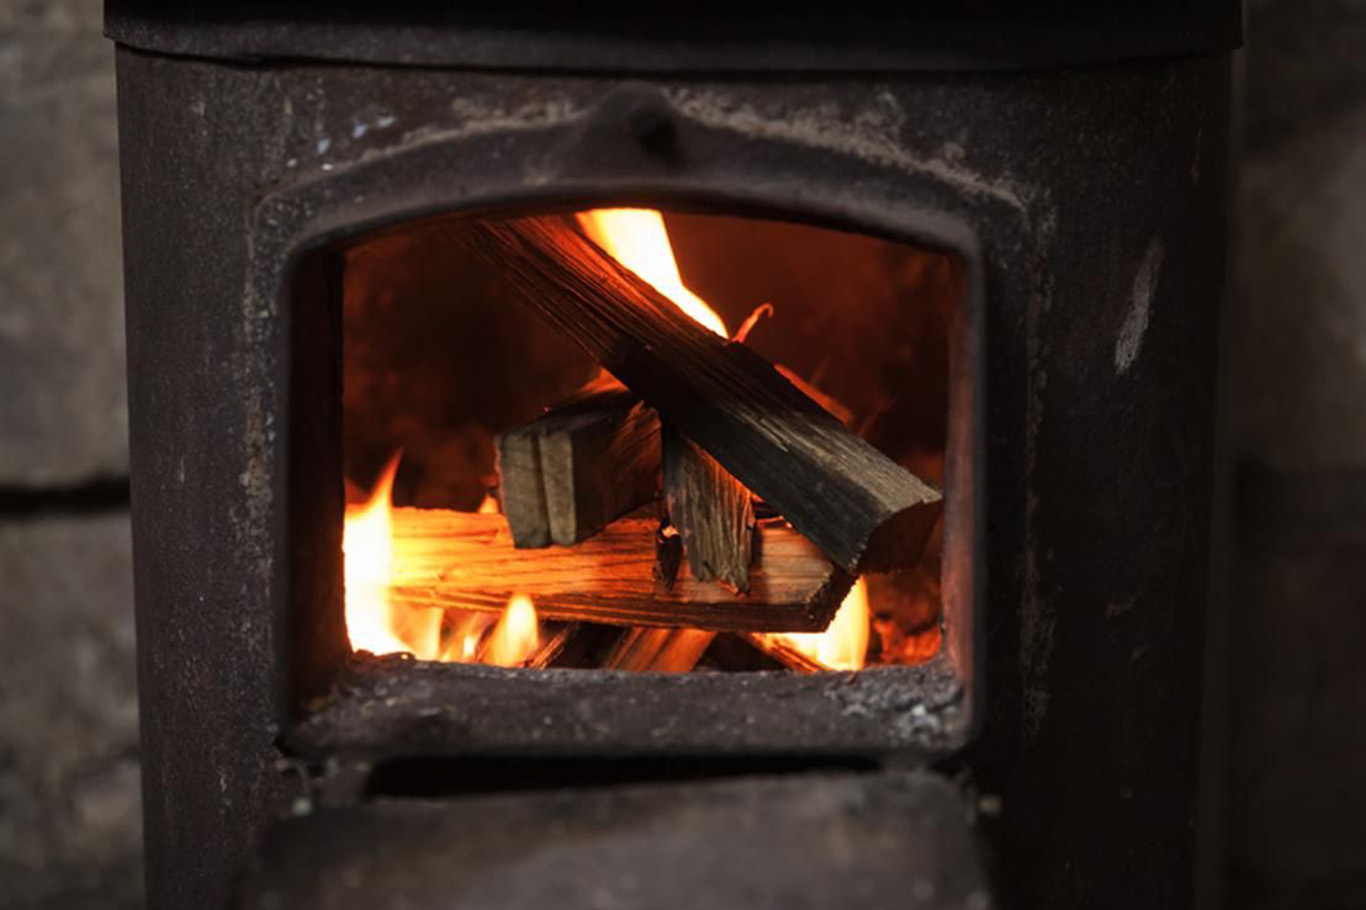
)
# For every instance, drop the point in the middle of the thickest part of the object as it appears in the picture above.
(713, 512)
(586, 461)
(862, 509)
(461, 560)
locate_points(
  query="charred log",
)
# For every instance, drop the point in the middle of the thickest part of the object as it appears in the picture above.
(862, 509)
(583, 463)
(712, 511)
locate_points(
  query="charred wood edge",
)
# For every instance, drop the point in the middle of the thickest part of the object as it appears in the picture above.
(862, 509)
(713, 512)
(785, 654)
(668, 554)
(644, 649)
(587, 461)
(835, 408)
(461, 560)
(550, 649)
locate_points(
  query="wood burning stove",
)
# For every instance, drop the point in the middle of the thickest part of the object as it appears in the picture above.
(993, 248)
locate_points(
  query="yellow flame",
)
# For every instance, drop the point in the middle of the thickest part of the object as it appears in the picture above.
(375, 623)
(516, 637)
(638, 240)
(844, 643)
(368, 547)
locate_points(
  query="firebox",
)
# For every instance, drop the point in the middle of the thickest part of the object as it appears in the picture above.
(671, 462)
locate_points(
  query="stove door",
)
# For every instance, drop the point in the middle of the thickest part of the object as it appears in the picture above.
(885, 839)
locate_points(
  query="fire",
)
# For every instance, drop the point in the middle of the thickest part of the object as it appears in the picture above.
(638, 240)
(374, 558)
(368, 548)
(375, 624)
(517, 635)
(844, 643)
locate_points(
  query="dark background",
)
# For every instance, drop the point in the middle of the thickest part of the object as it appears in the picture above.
(1285, 819)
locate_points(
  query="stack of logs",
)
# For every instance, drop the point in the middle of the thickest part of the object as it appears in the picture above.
(717, 424)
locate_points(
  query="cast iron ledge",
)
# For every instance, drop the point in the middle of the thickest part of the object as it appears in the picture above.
(938, 35)
(392, 707)
(893, 839)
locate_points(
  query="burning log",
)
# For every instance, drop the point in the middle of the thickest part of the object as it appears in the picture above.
(712, 511)
(586, 461)
(786, 654)
(863, 510)
(644, 650)
(461, 560)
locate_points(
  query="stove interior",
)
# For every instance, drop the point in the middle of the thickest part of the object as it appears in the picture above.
(445, 369)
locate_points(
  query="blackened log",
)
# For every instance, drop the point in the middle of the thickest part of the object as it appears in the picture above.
(713, 512)
(586, 461)
(461, 560)
(862, 509)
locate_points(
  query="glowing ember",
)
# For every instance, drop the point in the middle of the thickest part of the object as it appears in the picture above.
(844, 644)
(638, 240)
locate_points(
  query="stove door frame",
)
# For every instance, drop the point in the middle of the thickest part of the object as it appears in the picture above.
(1054, 186)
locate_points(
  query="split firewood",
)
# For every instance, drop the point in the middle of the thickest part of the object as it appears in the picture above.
(550, 648)
(862, 509)
(586, 461)
(827, 402)
(461, 560)
(785, 654)
(646, 650)
(712, 511)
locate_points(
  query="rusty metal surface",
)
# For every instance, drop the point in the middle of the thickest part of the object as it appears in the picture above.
(1090, 206)
(795, 842)
(926, 36)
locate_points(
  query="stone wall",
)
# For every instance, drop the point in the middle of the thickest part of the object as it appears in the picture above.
(70, 834)
(1295, 762)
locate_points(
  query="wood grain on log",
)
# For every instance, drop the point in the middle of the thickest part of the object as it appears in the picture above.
(713, 512)
(862, 509)
(583, 463)
(461, 560)
(786, 654)
(646, 650)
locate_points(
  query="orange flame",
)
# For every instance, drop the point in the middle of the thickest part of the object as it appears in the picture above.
(516, 637)
(638, 240)
(374, 623)
(368, 548)
(844, 643)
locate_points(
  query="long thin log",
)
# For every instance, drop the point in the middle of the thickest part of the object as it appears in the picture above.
(785, 654)
(712, 511)
(586, 461)
(461, 560)
(646, 650)
(861, 508)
